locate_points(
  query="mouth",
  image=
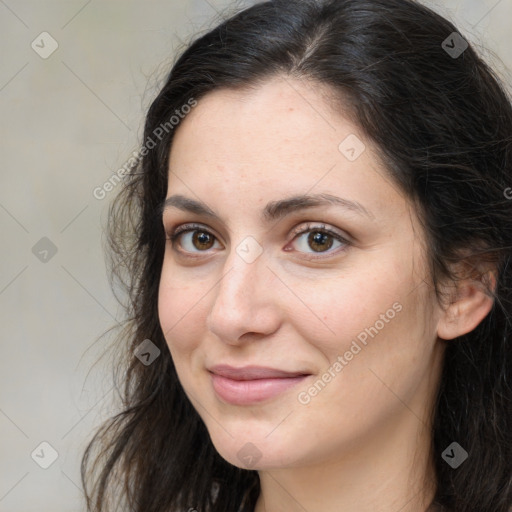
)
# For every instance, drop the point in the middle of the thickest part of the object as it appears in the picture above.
(252, 384)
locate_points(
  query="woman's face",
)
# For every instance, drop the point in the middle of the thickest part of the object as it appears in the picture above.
(262, 283)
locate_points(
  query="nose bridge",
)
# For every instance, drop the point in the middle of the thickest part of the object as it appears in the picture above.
(239, 280)
(239, 296)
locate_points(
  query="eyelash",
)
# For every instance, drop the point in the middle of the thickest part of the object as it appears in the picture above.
(186, 228)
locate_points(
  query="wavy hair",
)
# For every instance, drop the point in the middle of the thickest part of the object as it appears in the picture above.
(443, 125)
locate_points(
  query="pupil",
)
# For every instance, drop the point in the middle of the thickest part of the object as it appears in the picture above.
(320, 239)
(202, 238)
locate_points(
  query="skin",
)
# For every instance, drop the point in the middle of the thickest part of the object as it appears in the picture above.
(362, 442)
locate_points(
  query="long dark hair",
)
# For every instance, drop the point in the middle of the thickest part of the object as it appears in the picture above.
(443, 124)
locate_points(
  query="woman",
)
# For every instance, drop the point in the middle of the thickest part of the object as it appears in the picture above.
(316, 244)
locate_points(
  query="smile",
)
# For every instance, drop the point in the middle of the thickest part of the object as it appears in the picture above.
(245, 392)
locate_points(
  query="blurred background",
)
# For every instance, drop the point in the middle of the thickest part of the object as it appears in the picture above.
(76, 79)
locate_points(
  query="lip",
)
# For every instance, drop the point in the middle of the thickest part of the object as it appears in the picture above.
(252, 372)
(252, 384)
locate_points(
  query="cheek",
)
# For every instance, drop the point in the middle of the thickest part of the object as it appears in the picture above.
(179, 305)
(370, 362)
(352, 305)
(373, 320)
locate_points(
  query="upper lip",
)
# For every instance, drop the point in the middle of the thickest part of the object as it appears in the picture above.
(252, 372)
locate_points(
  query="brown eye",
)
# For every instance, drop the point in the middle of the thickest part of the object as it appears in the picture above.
(320, 241)
(202, 240)
(192, 239)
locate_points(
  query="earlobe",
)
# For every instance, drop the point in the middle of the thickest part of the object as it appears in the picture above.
(472, 303)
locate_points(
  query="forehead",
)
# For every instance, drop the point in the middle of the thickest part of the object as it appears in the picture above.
(283, 116)
(284, 134)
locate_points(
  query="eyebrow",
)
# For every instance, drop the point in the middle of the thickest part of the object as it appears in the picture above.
(274, 210)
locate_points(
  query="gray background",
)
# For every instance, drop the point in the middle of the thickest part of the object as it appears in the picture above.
(68, 122)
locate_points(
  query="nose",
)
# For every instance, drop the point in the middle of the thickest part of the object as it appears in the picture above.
(246, 302)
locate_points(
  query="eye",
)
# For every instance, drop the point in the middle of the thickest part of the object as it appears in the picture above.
(192, 236)
(320, 239)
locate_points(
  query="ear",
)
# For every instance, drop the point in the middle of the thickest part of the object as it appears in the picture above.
(471, 301)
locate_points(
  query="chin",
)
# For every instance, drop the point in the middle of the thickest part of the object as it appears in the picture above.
(253, 452)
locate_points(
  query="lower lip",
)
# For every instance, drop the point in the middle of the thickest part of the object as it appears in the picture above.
(244, 392)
